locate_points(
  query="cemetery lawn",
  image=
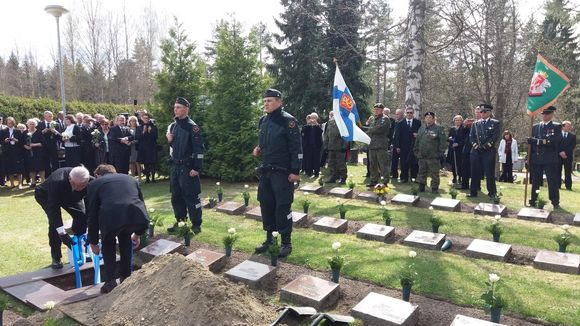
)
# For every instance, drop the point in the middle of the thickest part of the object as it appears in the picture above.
(552, 297)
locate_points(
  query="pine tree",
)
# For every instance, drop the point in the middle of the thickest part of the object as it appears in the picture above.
(298, 69)
(234, 88)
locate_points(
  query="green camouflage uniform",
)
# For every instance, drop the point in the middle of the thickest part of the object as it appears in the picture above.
(379, 156)
(430, 146)
(336, 147)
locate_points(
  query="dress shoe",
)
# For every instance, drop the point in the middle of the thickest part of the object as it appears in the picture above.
(196, 229)
(56, 264)
(471, 195)
(108, 286)
(285, 251)
(263, 247)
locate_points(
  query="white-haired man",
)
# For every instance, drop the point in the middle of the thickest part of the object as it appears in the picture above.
(65, 188)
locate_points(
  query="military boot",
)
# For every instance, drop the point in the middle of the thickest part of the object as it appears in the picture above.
(173, 229)
(286, 245)
(422, 187)
(264, 246)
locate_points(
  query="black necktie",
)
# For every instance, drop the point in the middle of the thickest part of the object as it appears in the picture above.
(409, 124)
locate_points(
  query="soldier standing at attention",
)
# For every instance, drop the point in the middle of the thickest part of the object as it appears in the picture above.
(186, 141)
(379, 158)
(545, 141)
(429, 148)
(484, 137)
(281, 151)
(333, 143)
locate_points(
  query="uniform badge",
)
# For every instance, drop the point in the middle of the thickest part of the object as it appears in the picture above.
(195, 129)
(291, 124)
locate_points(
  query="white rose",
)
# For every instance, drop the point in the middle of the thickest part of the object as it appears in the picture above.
(246, 186)
(336, 245)
(217, 183)
(48, 305)
(538, 191)
(232, 231)
(431, 207)
(566, 227)
(306, 193)
(497, 218)
(151, 210)
(275, 234)
(493, 278)
(383, 202)
(181, 224)
(412, 254)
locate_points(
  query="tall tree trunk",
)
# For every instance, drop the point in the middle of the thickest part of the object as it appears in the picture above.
(415, 56)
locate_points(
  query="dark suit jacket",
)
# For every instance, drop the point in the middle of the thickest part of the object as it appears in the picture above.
(546, 142)
(404, 136)
(50, 139)
(116, 148)
(568, 144)
(115, 203)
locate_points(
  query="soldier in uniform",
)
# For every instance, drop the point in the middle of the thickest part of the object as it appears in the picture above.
(429, 148)
(545, 141)
(281, 151)
(379, 131)
(336, 147)
(484, 137)
(186, 141)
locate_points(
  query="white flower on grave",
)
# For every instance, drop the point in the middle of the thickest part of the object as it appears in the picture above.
(232, 231)
(336, 245)
(501, 187)
(383, 202)
(306, 193)
(412, 254)
(217, 183)
(538, 191)
(382, 178)
(181, 224)
(151, 210)
(246, 186)
(275, 234)
(565, 227)
(497, 217)
(351, 175)
(493, 278)
(49, 305)
(431, 207)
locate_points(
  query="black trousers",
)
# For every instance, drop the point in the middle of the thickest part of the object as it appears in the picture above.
(466, 170)
(455, 160)
(185, 192)
(311, 160)
(79, 223)
(483, 164)
(507, 168)
(409, 166)
(537, 175)
(2, 173)
(51, 160)
(109, 254)
(73, 156)
(395, 165)
(120, 161)
(276, 195)
(567, 165)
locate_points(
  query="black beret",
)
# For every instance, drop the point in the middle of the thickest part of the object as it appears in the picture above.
(485, 107)
(379, 105)
(182, 101)
(549, 109)
(273, 93)
(430, 113)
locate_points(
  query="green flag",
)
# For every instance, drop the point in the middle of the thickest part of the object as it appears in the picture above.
(547, 84)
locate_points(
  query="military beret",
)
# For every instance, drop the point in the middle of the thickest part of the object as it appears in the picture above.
(430, 113)
(549, 109)
(379, 105)
(272, 93)
(485, 107)
(182, 101)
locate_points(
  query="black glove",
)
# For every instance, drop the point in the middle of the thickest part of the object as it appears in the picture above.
(532, 141)
(66, 240)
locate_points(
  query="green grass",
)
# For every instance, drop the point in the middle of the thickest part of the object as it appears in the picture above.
(552, 297)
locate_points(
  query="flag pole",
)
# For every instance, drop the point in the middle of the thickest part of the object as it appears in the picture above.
(529, 160)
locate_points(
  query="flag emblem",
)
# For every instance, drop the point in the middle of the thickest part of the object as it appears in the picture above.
(346, 102)
(539, 84)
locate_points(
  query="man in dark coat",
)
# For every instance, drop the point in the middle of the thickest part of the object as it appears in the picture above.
(64, 188)
(567, 154)
(120, 146)
(405, 135)
(147, 155)
(51, 131)
(116, 209)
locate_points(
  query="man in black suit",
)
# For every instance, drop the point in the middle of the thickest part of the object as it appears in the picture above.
(120, 146)
(116, 209)
(64, 188)
(567, 154)
(394, 154)
(546, 141)
(484, 137)
(51, 131)
(405, 135)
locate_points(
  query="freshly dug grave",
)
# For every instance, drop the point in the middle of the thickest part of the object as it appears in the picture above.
(172, 290)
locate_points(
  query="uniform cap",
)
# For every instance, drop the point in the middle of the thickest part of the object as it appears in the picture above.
(485, 107)
(430, 113)
(272, 93)
(549, 109)
(379, 105)
(182, 101)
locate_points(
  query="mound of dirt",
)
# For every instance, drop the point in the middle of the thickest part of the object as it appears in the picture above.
(172, 290)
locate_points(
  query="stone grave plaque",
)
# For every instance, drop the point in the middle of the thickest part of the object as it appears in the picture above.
(368, 195)
(446, 204)
(330, 225)
(461, 320)
(310, 291)
(557, 262)
(577, 219)
(313, 188)
(490, 209)
(535, 214)
(427, 240)
(299, 219)
(378, 309)
(255, 275)
(37, 293)
(231, 208)
(341, 192)
(41, 274)
(488, 250)
(158, 248)
(214, 261)
(375, 232)
(405, 199)
(255, 213)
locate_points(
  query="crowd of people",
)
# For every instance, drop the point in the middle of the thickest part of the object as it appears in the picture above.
(30, 152)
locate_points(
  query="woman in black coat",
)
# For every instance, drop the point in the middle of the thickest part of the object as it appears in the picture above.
(87, 148)
(71, 138)
(147, 154)
(103, 144)
(35, 153)
(13, 151)
(312, 146)
(456, 139)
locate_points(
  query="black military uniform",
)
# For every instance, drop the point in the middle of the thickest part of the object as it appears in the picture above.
(545, 141)
(51, 140)
(281, 151)
(187, 150)
(484, 137)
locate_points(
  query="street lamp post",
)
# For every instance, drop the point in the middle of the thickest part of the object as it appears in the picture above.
(58, 11)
